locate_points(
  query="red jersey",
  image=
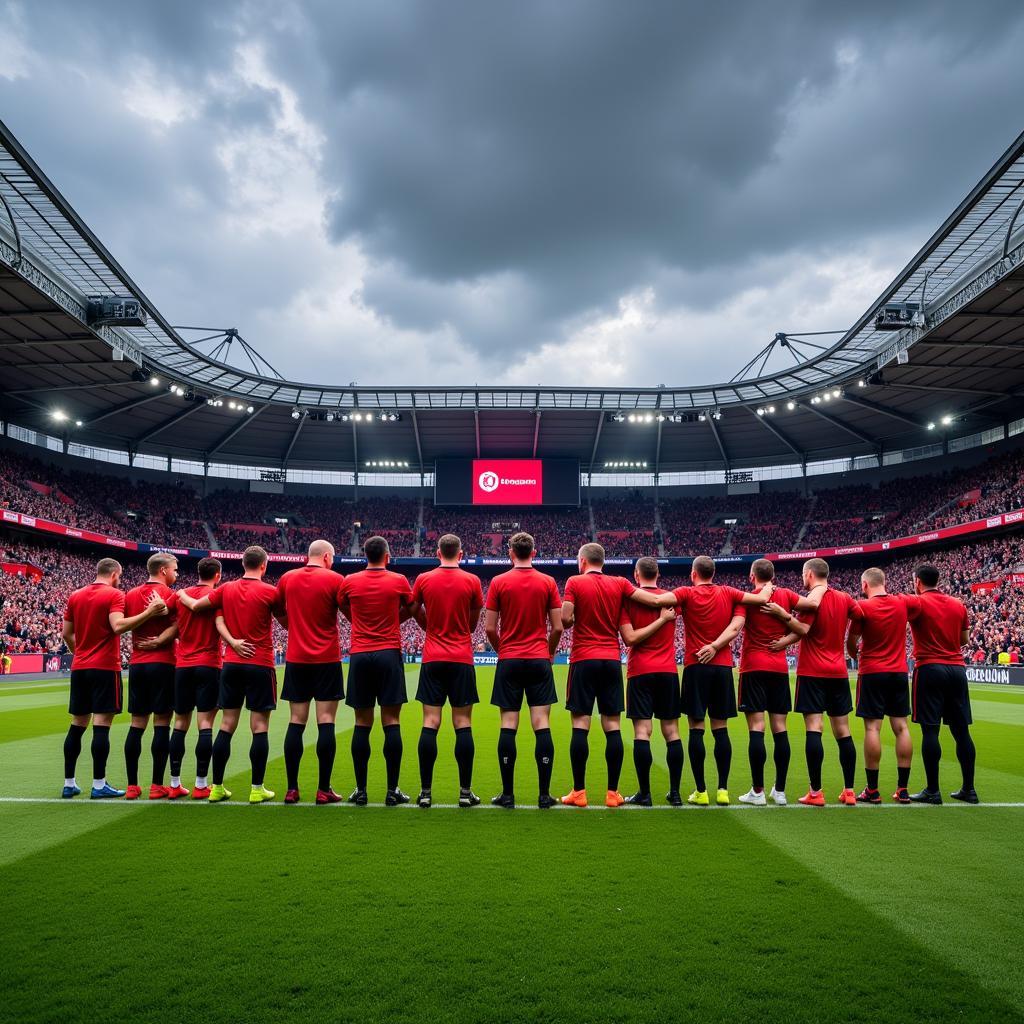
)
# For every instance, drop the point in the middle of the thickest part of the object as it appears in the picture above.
(936, 621)
(883, 629)
(598, 601)
(374, 598)
(198, 640)
(761, 630)
(248, 607)
(135, 602)
(452, 599)
(311, 597)
(658, 652)
(88, 611)
(823, 650)
(706, 609)
(523, 597)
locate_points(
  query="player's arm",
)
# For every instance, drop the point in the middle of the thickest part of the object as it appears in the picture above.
(418, 614)
(568, 616)
(242, 648)
(641, 596)
(491, 628)
(556, 630)
(810, 601)
(784, 641)
(707, 653)
(201, 604)
(67, 634)
(631, 636)
(852, 638)
(762, 597)
(152, 643)
(120, 623)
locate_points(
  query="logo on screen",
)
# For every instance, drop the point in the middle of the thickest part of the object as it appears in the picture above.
(488, 481)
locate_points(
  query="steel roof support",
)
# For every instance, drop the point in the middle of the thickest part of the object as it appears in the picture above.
(168, 423)
(765, 422)
(125, 406)
(303, 416)
(536, 431)
(718, 440)
(236, 429)
(852, 431)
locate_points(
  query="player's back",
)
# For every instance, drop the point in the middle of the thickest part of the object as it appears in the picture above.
(449, 596)
(823, 649)
(523, 598)
(936, 623)
(88, 610)
(658, 652)
(310, 596)
(706, 610)
(375, 597)
(247, 605)
(198, 640)
(597, 608)
(883, 629)
(761, 630)
(135, 602)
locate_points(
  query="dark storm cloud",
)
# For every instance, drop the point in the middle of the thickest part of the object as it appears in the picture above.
(508, 173)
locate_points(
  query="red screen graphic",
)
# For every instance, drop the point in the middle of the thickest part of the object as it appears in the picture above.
(508, 482)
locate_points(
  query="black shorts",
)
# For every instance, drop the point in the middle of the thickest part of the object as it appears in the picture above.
(818, 696)
(376, 677)
(941, 695)
(653, 695)
(95, 691)
(883, 694)
(708, 692)
(256, 685)
(765, 691)
(320, 682)
(452, 681)
(196, 688)
(515, 678)
(151, 689)
(595, 679)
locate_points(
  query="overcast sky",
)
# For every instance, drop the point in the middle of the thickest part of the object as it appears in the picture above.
(466, 192)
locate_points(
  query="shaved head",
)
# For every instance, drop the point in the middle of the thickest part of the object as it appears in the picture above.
(319, 548)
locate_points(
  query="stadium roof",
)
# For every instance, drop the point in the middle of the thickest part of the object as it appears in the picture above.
(963, 360)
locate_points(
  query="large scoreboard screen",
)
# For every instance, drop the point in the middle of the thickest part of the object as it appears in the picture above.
(507, 482)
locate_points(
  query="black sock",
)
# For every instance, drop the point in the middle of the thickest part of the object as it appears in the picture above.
(613, 755)
(848, 760)
(465, 751)
(723, 755)
(902, 777)
(293, 749)
(965, 754)
(507, 760)
(815, 758)
(177, 752)
(72, 748)
(326, 749)
(697, 755)
(757, 755)
(428, 755)
(642, 761)
(393, 754)
(221, 753)
(204, 751)
(579, 751)
(361, 753)
(132, 753)
(872, 775)
(931, 755)
(100, 750)
(674, 759)
(782, 755)
(544, 755)
(259, 751)
(160, 748)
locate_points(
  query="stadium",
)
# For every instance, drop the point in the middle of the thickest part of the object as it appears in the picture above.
(894, 444)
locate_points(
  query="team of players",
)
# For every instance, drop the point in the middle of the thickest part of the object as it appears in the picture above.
(177, 670)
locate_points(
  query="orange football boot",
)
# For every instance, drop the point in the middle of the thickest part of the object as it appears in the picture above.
(577, 798)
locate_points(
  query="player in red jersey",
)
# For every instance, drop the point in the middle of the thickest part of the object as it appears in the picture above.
(310, 598)
(652, 684)
(93, 623)
(712, 618)
(151, 676)
(447, 602)
(245, 610)
(883, 690)
(822, 678)
(940, 628)
(592, 606)
(376, 601)
(764, 688)
(524, 625)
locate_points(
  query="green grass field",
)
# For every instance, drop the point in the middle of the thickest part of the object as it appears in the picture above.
(184, 911)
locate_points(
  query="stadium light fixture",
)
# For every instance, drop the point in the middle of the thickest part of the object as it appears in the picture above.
(771, 410)
(946, 420)
(154, 381)
(717, 414)
(250, 409)
(931, 426)
(862, 383)
(837, 393)
(760, 412)
(59, 415)
(295, 413)
(78, 423)
(791, 406)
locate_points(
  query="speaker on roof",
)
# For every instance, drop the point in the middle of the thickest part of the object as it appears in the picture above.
(115, 311)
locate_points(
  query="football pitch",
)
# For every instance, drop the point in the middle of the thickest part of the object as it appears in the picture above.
(185, 911)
